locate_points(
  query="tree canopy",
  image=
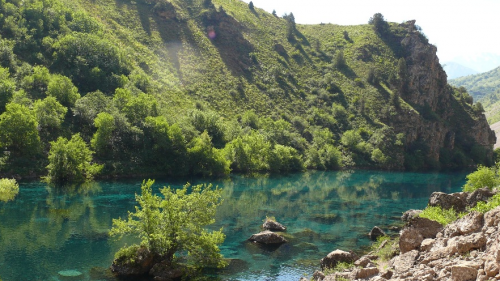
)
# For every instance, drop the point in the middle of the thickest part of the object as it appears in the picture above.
(174, 224)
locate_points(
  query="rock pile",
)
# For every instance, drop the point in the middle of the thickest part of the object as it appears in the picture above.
(467, 249)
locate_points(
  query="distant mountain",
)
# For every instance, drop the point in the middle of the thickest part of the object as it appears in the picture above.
(482, 63)
(455, 70)
(485, 88)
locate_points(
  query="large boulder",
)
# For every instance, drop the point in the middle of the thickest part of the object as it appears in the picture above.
(457, 201)
(140, 264)
(273, 225)
(337, 256)
(404, 261)
(375, 233)
(427, 228)
(470, 223)
(410, 214)
(267, 237)
(463, 273)
(478, 195)
(492, 218)
(410, 239)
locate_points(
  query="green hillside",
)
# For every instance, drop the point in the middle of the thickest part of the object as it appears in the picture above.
(200, 87)
(485, 88)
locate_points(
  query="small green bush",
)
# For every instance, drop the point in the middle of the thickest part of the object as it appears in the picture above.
(484, 207)
(386, 252)
(444, 217)
(8, 189)
(483, 177)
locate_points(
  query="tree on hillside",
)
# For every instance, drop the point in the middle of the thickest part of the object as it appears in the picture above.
(379, 24)
(70, 161)
(18, 130)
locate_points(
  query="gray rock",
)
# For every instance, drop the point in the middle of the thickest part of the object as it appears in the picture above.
(362, 262)
(318, 275)
(492, 218)
(470, 223)
(410, 214)
(267, 237)
(387, 275)
(463, 273)
(375, 233)
(446, 201)
(362, 273)
(337, 256)
(273, 225)
(404, 261)
(426, 227)
(478, 195)
(410, 239)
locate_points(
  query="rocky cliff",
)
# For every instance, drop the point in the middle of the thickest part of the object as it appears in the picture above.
(437, 119)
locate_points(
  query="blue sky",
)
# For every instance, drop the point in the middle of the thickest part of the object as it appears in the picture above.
(466, 32)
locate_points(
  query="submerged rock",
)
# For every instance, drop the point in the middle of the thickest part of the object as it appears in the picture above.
(69, 275)
(267, 237)
(273, 225)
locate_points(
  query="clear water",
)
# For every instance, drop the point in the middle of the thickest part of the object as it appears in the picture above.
(45, 230)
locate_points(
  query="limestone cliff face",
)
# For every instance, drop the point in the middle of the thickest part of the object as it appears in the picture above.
(437, 119)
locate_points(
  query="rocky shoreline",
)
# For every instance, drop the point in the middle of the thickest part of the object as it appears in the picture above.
(466, 249)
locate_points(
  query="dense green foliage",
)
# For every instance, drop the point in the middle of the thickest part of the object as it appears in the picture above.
(70, 161)
(491, 204)
(174, 225)
(8, 189)
(440, 215)
(483, 177)
(485, 88)
(205, 87)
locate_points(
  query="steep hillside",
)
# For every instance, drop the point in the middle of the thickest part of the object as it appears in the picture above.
(485, 88)
(199, 87)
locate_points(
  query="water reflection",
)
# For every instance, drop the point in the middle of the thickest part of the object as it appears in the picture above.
(47, 229)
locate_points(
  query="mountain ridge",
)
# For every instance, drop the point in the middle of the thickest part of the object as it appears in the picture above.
(238, 86)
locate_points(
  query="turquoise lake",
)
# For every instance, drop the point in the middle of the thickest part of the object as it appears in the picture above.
(46, 230)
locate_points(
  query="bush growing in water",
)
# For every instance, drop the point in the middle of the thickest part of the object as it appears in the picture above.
(8, 189)
(174, 224)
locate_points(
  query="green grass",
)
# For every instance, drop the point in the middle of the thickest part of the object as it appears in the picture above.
(440, 215)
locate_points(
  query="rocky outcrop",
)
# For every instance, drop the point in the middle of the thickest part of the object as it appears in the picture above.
(140, 264)
(425, 87)
(446, 201)
(459, 201)
(375, 233)
(337, 256)
(273, 225)
(467, 249)
(267, 237)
